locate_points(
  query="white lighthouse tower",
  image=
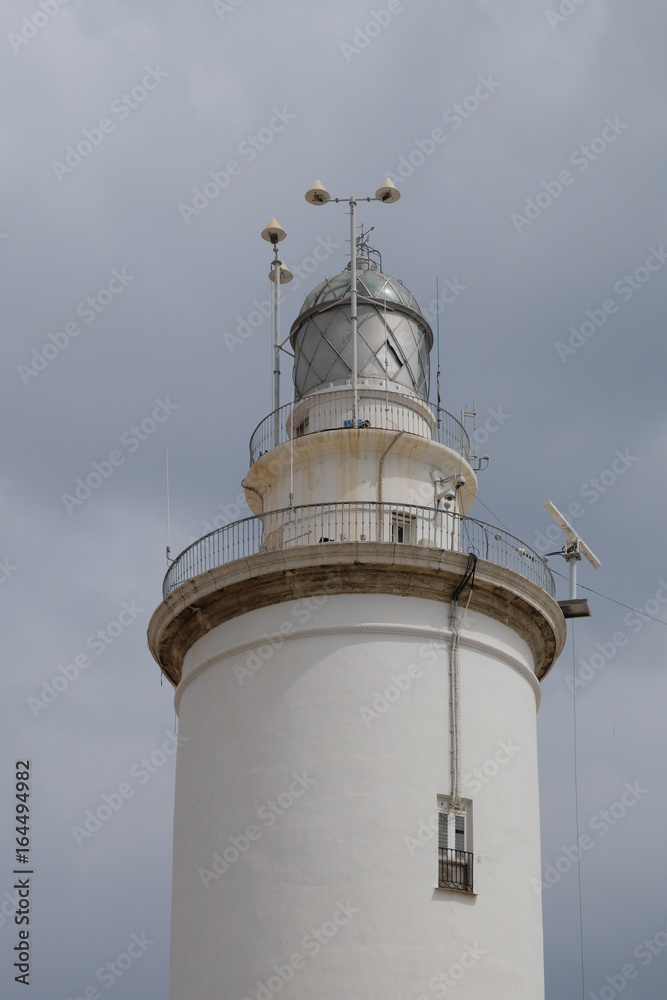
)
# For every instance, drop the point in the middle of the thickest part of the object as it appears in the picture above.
(357, 670)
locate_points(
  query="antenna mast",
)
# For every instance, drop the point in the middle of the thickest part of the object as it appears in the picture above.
(279, 275)
(575, 547)
(168, 508)
(437, 328)
(318, 195)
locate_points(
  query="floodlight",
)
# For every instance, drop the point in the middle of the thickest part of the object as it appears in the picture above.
(273, 232)
(284, 272)
(388, 193)
(317, 194)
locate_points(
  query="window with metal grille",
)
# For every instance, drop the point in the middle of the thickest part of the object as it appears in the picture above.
(454, 855)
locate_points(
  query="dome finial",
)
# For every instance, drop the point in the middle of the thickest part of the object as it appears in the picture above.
(365, 252)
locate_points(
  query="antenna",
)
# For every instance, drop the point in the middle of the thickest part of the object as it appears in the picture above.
(437, 327)
(168, 508)
(464, 415)
(574, 548)
(364, 249)
(279, 275)
(388, 193)
(386, 364)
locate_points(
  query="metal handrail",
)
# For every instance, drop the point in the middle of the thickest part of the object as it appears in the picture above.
(324, 411)
(358, 522)
(455, 869)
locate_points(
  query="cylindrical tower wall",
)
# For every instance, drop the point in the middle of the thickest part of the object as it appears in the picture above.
(371, 464)
(315, 744)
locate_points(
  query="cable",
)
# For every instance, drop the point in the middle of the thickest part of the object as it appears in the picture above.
(477, 500)
(472, 585)
(455, 682)
(454, 709)
(469, 574)
(613, 601)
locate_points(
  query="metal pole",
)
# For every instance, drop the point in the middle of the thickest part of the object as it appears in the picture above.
(276, 347)
(573, 560)
(168, 507)
(353, 309)
(437, 327)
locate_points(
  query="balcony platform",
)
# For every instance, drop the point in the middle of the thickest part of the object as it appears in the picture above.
(234, 588)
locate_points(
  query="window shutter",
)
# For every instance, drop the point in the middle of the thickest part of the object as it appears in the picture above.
(459, 833)
(442, 831)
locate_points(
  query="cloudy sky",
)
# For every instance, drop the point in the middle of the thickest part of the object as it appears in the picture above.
(529, 146)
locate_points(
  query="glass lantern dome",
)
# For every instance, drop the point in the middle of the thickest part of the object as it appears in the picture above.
(393, 338)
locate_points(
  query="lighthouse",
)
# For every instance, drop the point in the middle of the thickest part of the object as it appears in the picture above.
(357, 674)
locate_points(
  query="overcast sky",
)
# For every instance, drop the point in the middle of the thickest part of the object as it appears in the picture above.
(529, 150)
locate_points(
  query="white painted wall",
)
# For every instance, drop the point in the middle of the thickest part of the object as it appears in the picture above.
(247, 732)
(343, 465)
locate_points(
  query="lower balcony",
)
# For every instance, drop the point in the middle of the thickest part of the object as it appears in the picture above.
(357, 522)
(399, 550)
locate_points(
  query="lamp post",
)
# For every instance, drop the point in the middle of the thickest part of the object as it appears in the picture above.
(318, 195)
(279, 275)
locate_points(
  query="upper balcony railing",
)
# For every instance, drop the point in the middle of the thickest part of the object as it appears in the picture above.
(356, 521)
(325, 411)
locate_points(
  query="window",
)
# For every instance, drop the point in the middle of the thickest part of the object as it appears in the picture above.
(454, 843)
(403, 527)
(451, 831)
(394, 363)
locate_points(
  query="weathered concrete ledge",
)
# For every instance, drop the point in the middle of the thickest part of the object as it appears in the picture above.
(403, 570)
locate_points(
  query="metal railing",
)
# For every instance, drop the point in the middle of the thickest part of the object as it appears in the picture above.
(356, 521)
(324, 411)
(455, 869)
